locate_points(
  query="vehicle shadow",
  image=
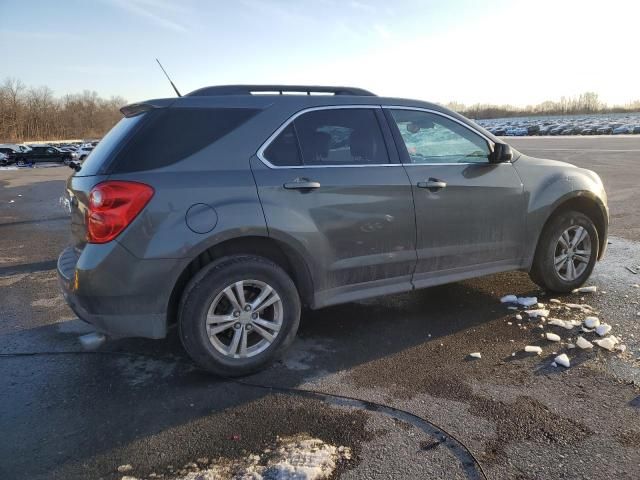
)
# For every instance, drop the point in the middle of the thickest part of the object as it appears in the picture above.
(79, 409)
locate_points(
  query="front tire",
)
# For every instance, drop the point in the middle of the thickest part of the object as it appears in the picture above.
(238, 314)
(566, 252)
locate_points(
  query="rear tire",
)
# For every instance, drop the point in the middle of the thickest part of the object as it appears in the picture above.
(220, 328)
(566, 252)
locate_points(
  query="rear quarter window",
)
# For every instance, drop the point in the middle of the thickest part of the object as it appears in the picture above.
(108, 145)
(170, 135)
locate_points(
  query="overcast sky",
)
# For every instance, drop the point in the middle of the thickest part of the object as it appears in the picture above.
(494, 51)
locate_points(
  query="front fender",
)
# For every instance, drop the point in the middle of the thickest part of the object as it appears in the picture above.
(549, 185)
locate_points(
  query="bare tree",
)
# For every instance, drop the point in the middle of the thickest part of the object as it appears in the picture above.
(29, 114)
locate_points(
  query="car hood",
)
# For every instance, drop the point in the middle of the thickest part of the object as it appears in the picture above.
(543, 162)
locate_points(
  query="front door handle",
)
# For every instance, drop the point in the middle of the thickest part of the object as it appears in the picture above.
(432, 184)
(302, 184)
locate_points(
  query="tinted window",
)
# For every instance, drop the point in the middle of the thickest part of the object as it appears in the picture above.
(284, 151)
(93, 164)
(347, 136)
(170, 135)
(432, 138)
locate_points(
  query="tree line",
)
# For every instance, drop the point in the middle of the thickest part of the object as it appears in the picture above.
(584, 104)
(34, 113)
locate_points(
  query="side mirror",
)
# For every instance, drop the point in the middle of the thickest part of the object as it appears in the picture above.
(501, 153)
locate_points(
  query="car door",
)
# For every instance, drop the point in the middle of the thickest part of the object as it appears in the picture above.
(331, 186)
(52, 155)
(37, 154)
(469, 211)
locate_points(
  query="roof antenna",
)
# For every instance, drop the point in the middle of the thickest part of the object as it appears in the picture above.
(167, 75)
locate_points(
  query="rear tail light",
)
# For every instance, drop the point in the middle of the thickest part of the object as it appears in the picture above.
(112, 207)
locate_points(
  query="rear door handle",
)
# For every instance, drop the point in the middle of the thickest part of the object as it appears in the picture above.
(301, 185)
(432, 183)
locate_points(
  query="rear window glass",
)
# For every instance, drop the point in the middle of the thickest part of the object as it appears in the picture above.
(170, 135)
(108, 145)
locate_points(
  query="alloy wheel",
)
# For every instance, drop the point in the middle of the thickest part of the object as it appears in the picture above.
(244, 319)
(572, 253)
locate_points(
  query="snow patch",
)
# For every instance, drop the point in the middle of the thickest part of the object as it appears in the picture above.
(533, 349)
(608, 343)
(568, 324)
(509, 299)
(527, 301)
(591, 289)
(539, 312)
(603, 329)
(583, 343)
(292, 459)
(563, 360)
(591, 322)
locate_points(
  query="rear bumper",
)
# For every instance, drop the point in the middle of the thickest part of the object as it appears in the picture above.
(119, 294)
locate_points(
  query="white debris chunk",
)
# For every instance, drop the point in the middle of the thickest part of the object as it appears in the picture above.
(540, 305)
(555, 300)
(527, 301)
(571, 346)
(583, 343)
(621, 348)
(509, 299)
(563, 360)
(603, 329)
(554, 364)
(509, 323)
(539, 312)
(587, 330)
(12, 201)
(512, 308)
(298, 458)
(552, 337)
(518, 317)
(475, 355)
(635, 285)
(591, 289)
(533, 349)
(591, 322)
(125, 468)
(607, 343)
(568, 324)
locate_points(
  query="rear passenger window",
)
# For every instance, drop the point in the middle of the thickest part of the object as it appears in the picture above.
(170, 135)
(284, 151)
(341, 136)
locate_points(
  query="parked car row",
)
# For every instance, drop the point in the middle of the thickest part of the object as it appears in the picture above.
(575, 125)
(23, 155)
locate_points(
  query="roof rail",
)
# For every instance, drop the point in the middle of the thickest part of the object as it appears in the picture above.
(276, 89)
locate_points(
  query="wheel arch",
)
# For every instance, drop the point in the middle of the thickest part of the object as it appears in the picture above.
(287, 257)
(584, 202)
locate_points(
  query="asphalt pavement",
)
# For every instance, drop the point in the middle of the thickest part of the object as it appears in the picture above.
(388, 380)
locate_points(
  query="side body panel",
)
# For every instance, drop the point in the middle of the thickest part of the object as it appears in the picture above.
(548, 184)
(357, 230)
(477, 221)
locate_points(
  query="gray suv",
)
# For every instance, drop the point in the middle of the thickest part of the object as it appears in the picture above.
(227, 210)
